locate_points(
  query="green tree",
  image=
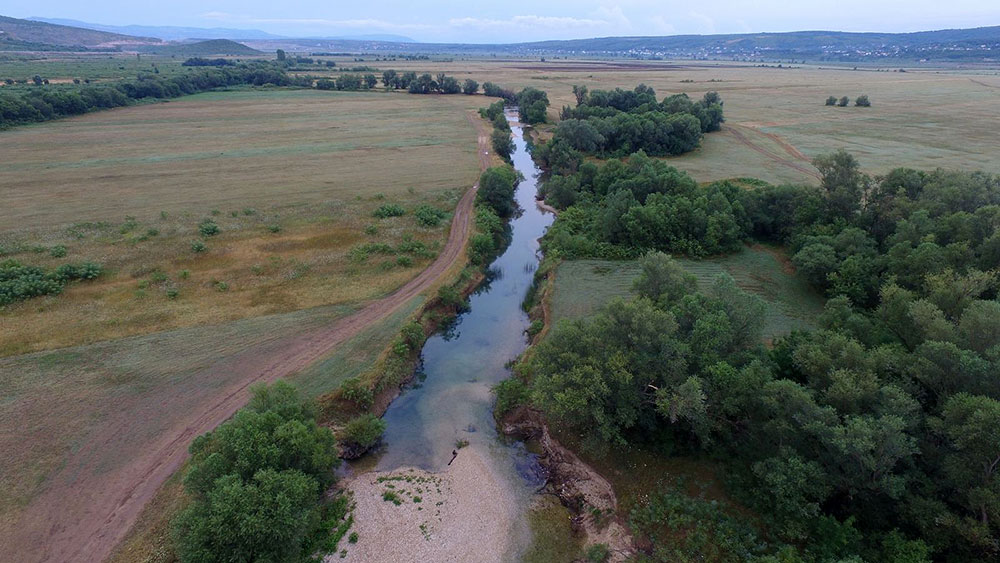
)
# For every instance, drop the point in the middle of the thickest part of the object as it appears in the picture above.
(496, 190)
(580, 93)
(281, 54)
(843, 182)
(503, 144)
(831, 101)
(844, 101)
(863, 101)
(470, 87)
(662, 279)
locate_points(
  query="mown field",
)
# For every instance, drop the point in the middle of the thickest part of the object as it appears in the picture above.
(583, 286)
(291, 178)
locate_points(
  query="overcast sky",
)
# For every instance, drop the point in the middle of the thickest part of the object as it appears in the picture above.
(524, 20)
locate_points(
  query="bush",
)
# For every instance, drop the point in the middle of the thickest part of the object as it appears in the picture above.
(831, 101)
(360, 435)
(428, 216)
(389, 210)
(863, 101)
(598, 553)
(208, 228)
(198, 245)
(57, 251)
(19, 282)
(266, 469)
(511, 393)
(844, 101)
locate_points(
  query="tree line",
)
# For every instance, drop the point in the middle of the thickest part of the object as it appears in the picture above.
(43, 104)
(875, 437)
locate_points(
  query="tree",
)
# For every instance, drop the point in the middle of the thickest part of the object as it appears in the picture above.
(503, 145)
(470, 87)
(496, 190)
(370, 81)
(971, 426)
(662, 279)
(843, 181)
(390, 79)
(264, 519)
(862, 101)
(844, 101)
(831, 101)
(533, 105)
(281, 54)
(580, 92)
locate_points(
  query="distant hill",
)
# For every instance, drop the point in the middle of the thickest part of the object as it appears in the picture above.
(50, 34)
(167, 32)
(824, 45)
(200, 48)
(979, 44)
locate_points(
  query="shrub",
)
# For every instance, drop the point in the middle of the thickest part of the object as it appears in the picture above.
(198, 245)
(450, 297)
(831, 101)
(844, 101)
(404, 261)
(208, 228)
(275, 228)
(361, 434)
(428, 216)
(57, 251)
(598, 553)
(172, 293)
(353, 538)
(356, 392)
(371, 230)
(863, 101)
(266, 469)
(389, 210)
(19, 282)
(511, 393)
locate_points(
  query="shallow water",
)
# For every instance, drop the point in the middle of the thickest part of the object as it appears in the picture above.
(451, 399)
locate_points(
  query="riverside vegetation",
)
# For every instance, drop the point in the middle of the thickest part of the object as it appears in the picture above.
(872, 438)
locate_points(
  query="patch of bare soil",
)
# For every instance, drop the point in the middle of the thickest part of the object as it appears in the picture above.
(581, 489)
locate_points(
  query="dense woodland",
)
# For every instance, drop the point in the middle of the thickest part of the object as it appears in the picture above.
(874, 438)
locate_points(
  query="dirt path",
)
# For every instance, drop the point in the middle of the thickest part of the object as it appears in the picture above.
(793, 159)
(86, 509)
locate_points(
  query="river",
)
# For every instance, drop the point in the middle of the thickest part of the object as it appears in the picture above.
(451, 399)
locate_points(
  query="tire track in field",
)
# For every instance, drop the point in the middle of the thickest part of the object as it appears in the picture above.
(86, 510)
(791, 160)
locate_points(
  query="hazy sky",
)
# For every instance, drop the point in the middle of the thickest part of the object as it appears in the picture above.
(524, 20)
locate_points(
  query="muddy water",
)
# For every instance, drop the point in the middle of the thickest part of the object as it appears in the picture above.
(451, 399)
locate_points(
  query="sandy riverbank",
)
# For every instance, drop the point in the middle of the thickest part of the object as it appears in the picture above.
(466, 513)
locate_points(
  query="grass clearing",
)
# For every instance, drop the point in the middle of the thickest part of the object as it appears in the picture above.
(583, 286)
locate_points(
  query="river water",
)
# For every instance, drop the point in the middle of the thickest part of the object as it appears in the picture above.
(451, 399)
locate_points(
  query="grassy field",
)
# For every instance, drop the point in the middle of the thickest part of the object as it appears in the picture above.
(57, 402)
(923, 118)
(583, 286)
(291, 177)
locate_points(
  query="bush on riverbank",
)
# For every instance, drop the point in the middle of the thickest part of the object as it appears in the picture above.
(258, 484)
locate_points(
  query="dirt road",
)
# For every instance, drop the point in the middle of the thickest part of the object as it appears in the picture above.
(86, 509)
